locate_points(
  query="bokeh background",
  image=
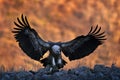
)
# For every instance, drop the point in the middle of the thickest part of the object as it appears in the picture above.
(60, 20)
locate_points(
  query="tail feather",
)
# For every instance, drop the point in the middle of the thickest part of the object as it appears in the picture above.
(46, 61)
(61, 65)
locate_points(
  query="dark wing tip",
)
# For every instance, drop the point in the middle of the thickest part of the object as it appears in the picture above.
(18, 25)
(15, 31)
(23, 22)
(90, 29)
(100, 36)
(21, 26)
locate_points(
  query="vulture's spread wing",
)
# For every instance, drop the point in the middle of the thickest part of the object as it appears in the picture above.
(82, 46)
(28, 39)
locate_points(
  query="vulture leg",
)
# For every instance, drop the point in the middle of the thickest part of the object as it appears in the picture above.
(60, 63)
(53, 61)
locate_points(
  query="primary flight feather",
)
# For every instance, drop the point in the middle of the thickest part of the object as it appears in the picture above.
(35, 47)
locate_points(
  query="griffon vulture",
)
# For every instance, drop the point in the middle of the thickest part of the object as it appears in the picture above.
(35, 47)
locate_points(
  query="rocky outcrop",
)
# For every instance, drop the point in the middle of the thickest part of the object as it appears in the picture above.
(99, 72)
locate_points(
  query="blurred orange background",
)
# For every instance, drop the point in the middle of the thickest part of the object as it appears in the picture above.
(60, 20)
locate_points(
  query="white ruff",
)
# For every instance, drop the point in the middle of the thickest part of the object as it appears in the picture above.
(56, 48)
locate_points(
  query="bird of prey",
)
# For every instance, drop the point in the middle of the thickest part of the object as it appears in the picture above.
(35, 47)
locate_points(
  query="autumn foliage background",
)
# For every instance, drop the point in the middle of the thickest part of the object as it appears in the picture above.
(60, 20)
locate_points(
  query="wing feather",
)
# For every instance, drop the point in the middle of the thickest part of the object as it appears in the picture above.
(29, 40)
(82, 46)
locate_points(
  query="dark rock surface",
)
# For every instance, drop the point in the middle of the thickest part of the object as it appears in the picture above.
(99, 72)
